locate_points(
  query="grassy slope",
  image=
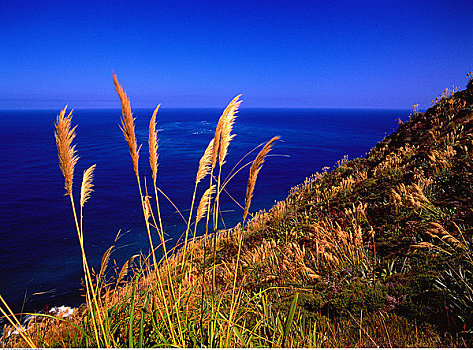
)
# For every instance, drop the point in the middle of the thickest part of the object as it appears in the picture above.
(378, 252)
(415, 285)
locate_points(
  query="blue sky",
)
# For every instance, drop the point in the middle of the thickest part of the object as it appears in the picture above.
(341, 54)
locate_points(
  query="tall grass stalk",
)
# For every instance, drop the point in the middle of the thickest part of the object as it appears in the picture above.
(68, 158)
(153, 162)
(171, 307)
(254, 170)
(222, 139)
(202, 172)
(128, 129)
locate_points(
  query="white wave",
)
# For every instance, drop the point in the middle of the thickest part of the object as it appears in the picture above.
(63, 311)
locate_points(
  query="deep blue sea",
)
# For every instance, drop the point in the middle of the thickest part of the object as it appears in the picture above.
(39, 250)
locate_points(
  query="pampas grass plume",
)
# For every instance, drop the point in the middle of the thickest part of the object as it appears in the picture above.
(205, 203)
(86, 188)
(223, 131)
(64, 136)
(128, 126)
(205, 162)
(226, 134)
(153, 144)
(255, 169)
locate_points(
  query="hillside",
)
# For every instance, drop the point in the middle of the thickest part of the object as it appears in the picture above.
(377, 252)
(381, 240)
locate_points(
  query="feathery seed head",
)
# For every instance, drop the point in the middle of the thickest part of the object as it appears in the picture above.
(204, 203)
(427, 245)
(126, 268)
(86, 188)
(227, 128)
(223, 131)
(218, 132)
(205, 162)
(64, 136)
(255, 169)
(153, 145)
(104, 264)
(127, 124)
(147, 206)
(437, 227)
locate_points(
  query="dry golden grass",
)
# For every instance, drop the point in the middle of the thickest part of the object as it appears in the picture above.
(441, 159)
(186, 300)
(394, 160)
(437, 231)
(204, 203)
(66, 151)
(153, 145)
(412, 196)
(226, 136)
(128, 126)
(86, 188)
(205, 162)
(126, 268)
(338, 247)
(223, 131)
(104, 265)
(356, 213)
(67, 160)
(15, 325)
(128, 129)
(254, 171)
(147, 207)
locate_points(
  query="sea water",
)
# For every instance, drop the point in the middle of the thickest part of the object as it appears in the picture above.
(39, 250)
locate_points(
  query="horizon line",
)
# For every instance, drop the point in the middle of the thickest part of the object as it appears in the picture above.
(196, 108)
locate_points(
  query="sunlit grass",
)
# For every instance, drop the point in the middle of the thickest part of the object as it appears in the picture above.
(333, 265)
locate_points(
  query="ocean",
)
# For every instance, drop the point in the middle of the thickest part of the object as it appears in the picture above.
(39, 250)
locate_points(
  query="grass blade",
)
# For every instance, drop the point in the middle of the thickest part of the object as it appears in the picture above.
(290, 318)
(132, 309)
(142, 321)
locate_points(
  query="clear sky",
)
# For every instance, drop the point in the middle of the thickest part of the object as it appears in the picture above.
(362, 54)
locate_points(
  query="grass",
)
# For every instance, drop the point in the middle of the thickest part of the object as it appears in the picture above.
(376, 252)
